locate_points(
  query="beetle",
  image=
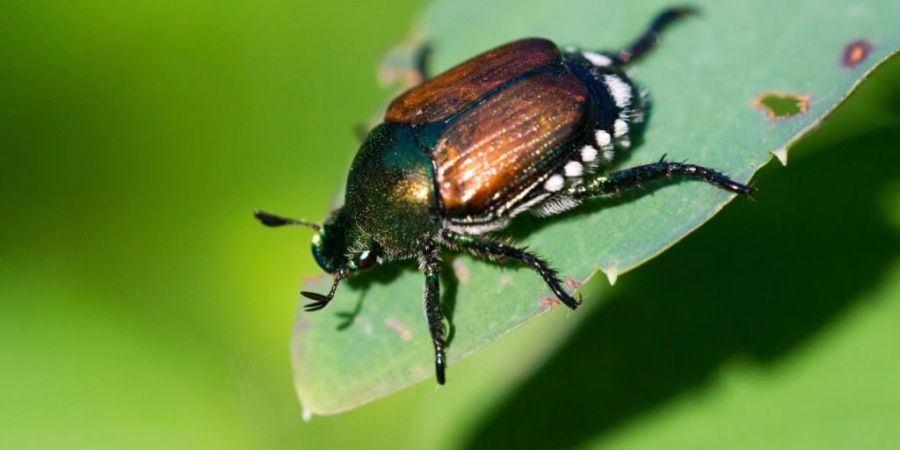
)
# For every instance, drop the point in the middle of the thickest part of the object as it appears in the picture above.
(527, 126)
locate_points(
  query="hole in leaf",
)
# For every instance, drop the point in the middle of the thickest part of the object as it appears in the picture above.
(855, 52)
(779, 105)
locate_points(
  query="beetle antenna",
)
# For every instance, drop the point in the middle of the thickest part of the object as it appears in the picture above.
(319, 301)
(271, 220)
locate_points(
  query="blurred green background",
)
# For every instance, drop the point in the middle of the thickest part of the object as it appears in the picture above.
(142, 307)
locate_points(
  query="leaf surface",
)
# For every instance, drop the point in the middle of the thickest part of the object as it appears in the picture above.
(712, 82)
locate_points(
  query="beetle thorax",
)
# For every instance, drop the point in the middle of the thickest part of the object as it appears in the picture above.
(390, 200)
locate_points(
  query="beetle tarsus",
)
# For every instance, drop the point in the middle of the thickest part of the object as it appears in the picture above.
(440, 366)
(320, 301)
(314, 306)
(431, 266)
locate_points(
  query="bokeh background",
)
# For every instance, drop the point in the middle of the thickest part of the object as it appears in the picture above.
(142, 307)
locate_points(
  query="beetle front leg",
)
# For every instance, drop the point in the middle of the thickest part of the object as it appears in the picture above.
(498, 251)
(624, 180)
(423, 61)
(430, 264)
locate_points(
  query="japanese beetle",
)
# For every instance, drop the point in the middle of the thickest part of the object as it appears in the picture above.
(526, 126)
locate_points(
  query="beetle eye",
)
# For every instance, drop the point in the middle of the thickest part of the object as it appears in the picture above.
(365, 260)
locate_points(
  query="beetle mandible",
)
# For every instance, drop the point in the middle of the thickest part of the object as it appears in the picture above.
(526, 126)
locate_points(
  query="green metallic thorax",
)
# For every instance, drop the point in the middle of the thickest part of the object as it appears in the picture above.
(390, 204)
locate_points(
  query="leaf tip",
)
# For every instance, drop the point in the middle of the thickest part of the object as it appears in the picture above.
(612, 273)
(307, 414)
(781, 154)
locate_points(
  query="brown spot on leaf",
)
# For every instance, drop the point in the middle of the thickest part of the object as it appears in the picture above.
(573, 284)
(781, 105)
(547, 303)
(855, 52)
(418, 372)
(396, 325)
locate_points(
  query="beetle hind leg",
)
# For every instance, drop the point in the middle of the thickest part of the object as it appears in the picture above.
(625, 180)
(644, 43)
(498, 251)
(650, 38)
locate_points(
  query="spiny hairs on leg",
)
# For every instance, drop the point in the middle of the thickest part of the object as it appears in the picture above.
(499, 251)
(429, 263)
(627, 179)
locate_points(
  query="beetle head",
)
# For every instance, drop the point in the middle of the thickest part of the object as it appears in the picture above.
(339, 248)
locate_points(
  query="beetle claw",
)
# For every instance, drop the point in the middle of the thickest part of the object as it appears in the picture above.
(319, 301)
(314, 306)
(314, 296)
(571, 302)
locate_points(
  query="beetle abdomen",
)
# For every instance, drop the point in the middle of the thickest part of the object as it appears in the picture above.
(448, 93)
(491, 154)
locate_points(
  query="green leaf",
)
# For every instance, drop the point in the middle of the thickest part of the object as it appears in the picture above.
(730, 88)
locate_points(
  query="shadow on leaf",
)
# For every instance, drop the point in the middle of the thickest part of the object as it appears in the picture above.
(759, 280)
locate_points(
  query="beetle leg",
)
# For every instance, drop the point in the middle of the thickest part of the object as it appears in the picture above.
(645, 42)
(430, 264)
(617, 182)
(498, 251)
(423, 61)
(650, 38)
